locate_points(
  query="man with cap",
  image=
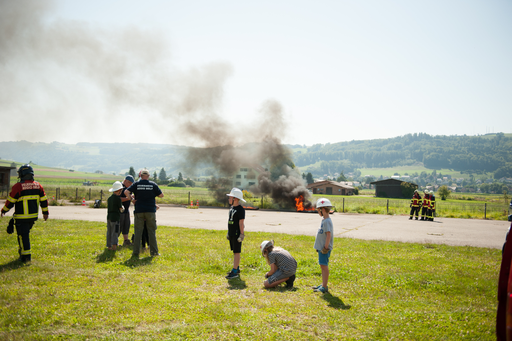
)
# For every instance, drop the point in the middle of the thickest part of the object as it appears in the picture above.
(125, 216)
(144, 192)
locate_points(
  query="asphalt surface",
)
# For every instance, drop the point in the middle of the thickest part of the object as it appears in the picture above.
(450, 231)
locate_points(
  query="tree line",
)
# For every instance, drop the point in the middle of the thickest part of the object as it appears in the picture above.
(474, 154)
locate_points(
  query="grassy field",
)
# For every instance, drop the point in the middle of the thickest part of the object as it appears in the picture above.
(48, 175)
(377, 172)
(75, 289)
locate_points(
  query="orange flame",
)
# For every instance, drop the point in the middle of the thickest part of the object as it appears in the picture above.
(299, 204)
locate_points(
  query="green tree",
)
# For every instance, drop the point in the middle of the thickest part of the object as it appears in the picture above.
(180, 177)
(132, 172)
(309, 178)
(342, 177)
(407, 189)
(162, 176)
(444, 192)
(155, 177)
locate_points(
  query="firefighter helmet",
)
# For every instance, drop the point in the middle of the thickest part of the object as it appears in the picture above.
(265, 244)
(25, 170)
(237, 193)
(323, 202)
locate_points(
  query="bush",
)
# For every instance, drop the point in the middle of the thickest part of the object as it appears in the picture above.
(177, 184)
(190, 183)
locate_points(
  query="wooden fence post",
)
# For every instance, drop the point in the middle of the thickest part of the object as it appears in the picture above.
(387, 206)
(89, 193)
(485, 211)
(343, 205)
(76, 194)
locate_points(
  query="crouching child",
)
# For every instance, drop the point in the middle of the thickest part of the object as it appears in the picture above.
(282, 265)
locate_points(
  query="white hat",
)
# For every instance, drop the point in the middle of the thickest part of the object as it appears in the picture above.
(235, 192)
(116, 186)
(323, 202)
(265, 244)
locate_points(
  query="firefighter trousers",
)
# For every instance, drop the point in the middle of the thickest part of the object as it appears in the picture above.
(23, 230)
(423, 212)
(415, 210)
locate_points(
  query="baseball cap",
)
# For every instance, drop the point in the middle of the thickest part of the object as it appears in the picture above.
(130, 178)
(144, 172)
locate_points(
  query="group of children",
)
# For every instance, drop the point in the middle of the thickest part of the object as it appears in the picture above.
(282, 265)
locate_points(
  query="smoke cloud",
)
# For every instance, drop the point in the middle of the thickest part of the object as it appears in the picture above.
(121, 81)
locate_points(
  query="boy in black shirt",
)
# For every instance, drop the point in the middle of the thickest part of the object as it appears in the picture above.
(236, 225)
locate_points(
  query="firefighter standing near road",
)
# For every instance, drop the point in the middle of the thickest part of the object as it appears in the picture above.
(431, 207)
(415, 205)
(26, 196)
(425, 204)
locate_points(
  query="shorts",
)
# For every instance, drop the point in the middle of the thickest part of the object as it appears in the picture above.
(235, 245)
(323, 259)
(276, 276)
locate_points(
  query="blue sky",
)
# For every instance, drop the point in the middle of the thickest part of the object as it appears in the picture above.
(341, 70)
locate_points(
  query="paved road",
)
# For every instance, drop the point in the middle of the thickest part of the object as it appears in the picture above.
(450, 231)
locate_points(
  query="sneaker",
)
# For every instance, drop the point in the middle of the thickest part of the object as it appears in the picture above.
(410, 218)
(237, 270)
(321, 289)
(318, 286)
(155, 254)
(127, 242)
(232, 275)
(289, 282)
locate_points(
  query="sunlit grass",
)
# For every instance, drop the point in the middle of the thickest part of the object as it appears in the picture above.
(75, 289)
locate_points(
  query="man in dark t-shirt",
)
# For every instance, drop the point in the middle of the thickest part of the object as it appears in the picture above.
(145, 192)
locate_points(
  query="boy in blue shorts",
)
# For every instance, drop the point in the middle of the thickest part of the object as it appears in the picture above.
(323, 241)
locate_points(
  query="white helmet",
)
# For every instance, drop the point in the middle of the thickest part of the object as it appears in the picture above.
(116, 186)
(235, 192)
(323, 202)
(265, 244)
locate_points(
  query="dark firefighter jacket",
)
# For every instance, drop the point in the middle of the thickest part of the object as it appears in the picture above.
(26, 197)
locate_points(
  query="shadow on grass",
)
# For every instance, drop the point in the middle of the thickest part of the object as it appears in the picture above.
(335, 302)
(236, 284)
(13, 265)
(106, 256)
(136, 262)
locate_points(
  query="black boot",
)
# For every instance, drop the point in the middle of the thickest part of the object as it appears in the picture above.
(289, 282)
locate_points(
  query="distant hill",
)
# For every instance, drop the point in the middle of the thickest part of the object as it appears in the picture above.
(91, 157)
(475, 154)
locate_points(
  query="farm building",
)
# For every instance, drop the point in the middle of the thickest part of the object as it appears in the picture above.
(330, 188)
(389, 188)
(5, 178)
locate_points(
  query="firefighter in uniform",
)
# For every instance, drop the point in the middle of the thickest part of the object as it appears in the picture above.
(425, 204)
(431, 206)
(26, 196)
(415, 204)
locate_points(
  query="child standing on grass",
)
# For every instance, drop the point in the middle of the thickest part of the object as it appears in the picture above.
(236, 226)
(282, 265)
(324, 241)
(114, 210)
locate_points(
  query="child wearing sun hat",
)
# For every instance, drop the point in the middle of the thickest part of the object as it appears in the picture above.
(114, 210)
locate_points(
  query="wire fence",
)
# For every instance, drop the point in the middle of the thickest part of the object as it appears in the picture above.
(351, 204)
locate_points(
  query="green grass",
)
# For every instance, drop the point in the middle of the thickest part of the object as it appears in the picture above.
(75, 289)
